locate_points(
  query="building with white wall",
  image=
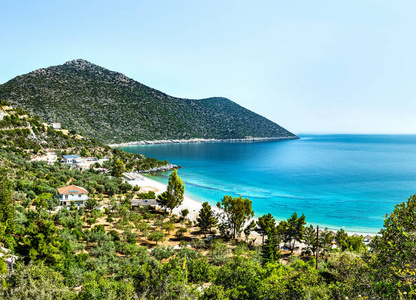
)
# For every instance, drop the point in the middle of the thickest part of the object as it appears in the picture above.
(72, 193)
(71, 159)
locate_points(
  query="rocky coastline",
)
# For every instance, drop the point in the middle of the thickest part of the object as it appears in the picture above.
(200, 140)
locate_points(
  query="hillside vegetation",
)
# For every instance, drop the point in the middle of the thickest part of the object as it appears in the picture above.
(113, 108)
(112, 250)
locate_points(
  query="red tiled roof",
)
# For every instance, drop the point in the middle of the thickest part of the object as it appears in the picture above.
(72, 189)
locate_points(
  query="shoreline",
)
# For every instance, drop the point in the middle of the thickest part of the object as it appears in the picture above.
(147, 184)
(201, 140)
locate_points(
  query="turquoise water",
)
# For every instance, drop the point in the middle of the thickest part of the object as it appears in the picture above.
(338, 181)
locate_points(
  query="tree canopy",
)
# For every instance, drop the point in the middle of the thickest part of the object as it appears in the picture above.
(236, 212)
(206, 219)
(175, 191)
(293, 230)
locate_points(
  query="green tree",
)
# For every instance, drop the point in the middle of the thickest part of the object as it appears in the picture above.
(156, 236)
(351, 243)
(91, 204)
(175, 191)
(394, 264)
(6, 201)
(264, 225)
(341, 238)
(7, 213)
(206, 220)
(162, 200)
(184, 213)
(3, 266)
(35, 281)
(292, 230)
(169, 227)
(118, 168)
(270, 249)
(237, 211)
(309, 238)
(325, 240)
(42, 201)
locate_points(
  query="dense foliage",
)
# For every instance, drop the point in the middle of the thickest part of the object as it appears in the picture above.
(110, 107)
(111, 250)
(63, 258)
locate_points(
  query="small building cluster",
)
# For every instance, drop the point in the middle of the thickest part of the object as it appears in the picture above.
(71, 159)
(75, 161)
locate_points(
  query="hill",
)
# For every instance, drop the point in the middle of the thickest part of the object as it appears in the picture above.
(113, 108)
(27, 138)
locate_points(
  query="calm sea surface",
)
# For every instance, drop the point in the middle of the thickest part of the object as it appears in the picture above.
(348, 181)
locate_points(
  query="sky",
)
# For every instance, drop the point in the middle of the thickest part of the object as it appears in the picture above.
(310, 66)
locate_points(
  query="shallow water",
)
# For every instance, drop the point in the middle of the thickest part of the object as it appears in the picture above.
(348, 181)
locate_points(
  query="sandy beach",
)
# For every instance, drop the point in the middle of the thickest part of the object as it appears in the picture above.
(146, 184)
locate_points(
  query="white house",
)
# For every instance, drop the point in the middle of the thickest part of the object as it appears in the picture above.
(71, 159)
(72, 193)
(56, 125)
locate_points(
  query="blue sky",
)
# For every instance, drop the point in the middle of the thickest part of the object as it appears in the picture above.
(311, 66)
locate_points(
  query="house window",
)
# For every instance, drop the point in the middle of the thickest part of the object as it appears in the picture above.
(79, 196)
(66, 196)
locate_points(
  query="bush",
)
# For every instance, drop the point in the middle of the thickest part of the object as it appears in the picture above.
(179, 233)
(130, 237)
(198, 244)
(91, 221)
(199, 270)
(157, 236)
(114, 235)
(218, 252)
(162, 252)
(98, 228)
(31, 195)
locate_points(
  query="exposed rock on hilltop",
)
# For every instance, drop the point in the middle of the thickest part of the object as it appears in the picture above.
(113, 108)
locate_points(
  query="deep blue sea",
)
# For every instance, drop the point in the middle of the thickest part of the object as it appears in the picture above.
(338, 181)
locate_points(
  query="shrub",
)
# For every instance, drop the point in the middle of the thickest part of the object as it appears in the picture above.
(198, 244)
(157, 236)
(179, 233)
(98, 228)
(162, 252)
(114, 235)
(218, 252)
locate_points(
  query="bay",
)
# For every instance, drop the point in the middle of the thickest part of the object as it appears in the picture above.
(338, 181)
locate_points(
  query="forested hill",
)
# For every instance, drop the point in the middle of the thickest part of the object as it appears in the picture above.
(113, 108)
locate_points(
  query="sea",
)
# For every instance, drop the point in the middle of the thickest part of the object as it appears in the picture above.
(337, 181)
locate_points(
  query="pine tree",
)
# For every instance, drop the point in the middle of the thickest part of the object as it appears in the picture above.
(206, 219)
(293, 229)
(162, 200)
(175, 191)
(118, 168)
(270, 249)
(265, 224)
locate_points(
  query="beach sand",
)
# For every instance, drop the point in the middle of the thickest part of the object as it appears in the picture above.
(146, 184)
